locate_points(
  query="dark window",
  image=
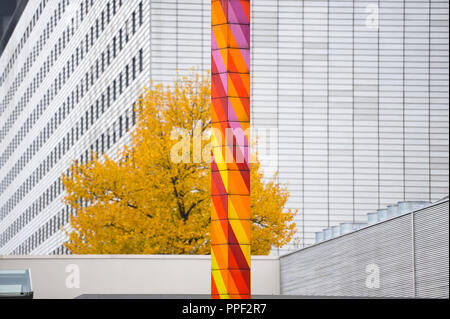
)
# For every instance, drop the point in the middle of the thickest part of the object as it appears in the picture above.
(108, 97)
(120, 126)
(120, 83)
(120, 39)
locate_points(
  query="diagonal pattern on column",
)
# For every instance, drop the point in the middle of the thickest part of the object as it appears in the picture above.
(230, 167)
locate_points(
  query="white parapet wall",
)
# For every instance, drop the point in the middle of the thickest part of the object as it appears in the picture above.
(74, 275)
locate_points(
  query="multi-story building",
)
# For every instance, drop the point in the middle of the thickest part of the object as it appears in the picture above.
(356, 93)
(70, 74)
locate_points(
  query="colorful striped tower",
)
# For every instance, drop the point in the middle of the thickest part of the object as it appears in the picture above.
(230, 167)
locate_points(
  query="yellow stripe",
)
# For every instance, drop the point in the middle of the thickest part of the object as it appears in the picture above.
(239, 229)
(220, 284)
(224, 175)
(214, 264)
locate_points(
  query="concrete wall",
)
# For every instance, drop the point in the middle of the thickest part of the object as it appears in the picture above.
(56, 276)
(407, 256)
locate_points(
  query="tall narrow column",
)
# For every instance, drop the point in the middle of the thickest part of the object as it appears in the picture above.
(230, 167)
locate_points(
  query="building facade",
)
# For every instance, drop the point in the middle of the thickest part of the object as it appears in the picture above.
(350, 96)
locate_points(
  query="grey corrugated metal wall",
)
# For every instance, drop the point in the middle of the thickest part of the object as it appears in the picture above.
(403, 257)
(431, 247)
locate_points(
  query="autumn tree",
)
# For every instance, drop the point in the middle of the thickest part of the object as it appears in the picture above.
(148, 201)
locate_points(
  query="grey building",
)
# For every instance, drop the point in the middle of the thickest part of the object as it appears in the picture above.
(358, 92)
(404, 257)
(70, 74)
(354, 96)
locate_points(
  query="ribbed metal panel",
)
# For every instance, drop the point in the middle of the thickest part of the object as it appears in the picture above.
(338, 267)
(431, 247)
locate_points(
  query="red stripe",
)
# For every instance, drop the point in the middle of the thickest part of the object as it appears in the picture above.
(221, 205)
(236, 258)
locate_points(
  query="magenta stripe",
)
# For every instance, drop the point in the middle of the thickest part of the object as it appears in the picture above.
(217, 59)
(241, 33)
(236, 13)
(214, 45)
(239, 133)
